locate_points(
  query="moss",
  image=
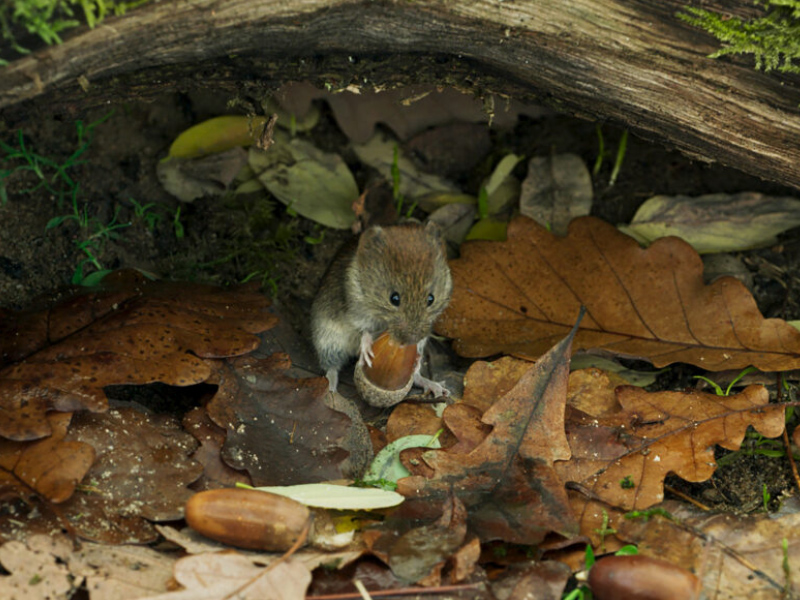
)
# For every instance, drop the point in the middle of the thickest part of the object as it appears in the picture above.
(773, 39)
(46, 19)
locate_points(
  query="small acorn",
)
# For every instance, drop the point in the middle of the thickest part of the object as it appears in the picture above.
(391, 375)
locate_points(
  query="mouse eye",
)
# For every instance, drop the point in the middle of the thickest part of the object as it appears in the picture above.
(430, 299)
(395, 299)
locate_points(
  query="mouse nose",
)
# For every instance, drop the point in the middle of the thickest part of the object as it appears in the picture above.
(410, 331)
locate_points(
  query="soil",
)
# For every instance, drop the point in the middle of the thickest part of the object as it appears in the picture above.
(228, 240)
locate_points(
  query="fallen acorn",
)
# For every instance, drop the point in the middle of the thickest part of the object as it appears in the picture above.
(639, 577)
(249, 519)
(391, 375)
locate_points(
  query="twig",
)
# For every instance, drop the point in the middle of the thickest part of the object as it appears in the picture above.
(408, 591)
(688, 498)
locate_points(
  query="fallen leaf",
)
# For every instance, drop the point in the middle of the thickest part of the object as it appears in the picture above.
(216, 473)
(51, 467)
(216, 135)
(507, 482)
(317, 185)
(622, 458)
(278, 428)
(215, 576)
(406, 110)
(548, 578)
(36, 570)
(142, 473)
(379, 153)
(716, 222)
(736, 556)
(521, 295)
(556, 190)
(191, 178)
(132, 331)
(451, 150)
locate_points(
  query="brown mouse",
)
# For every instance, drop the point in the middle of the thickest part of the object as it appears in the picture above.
(393, 279)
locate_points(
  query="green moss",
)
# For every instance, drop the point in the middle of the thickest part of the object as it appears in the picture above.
(46, 19)
(773, 39)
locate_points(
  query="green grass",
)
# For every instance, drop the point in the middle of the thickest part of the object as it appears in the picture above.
(48, 19)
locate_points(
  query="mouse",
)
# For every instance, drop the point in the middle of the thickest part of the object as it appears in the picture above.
(391, 278)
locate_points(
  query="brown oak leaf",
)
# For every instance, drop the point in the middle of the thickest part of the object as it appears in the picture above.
(521, 295)
(51, 467)
(132, 331)
(142, 473)
(507, 482)
(622, 459)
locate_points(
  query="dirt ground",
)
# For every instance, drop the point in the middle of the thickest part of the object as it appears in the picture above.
(229, 240)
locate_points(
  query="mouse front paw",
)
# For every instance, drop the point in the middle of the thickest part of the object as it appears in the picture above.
(366, 354)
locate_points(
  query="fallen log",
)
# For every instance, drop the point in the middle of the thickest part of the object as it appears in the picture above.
(629, 61)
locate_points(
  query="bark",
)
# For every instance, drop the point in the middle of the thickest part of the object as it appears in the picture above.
(630, 61)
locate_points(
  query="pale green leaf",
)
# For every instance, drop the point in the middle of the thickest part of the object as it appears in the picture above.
(315, 184)
(337, 497)
(716, 222)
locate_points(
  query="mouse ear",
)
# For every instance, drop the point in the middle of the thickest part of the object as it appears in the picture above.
(372, 239)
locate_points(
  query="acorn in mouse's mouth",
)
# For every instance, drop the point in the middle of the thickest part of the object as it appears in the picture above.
(391, 375)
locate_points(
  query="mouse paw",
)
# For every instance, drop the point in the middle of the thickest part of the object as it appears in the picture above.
(430, 386)
(365, 352)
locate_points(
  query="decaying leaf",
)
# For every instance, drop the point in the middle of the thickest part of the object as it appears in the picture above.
(507, 482)
(132, 331)
(379, 153)
(221, 576)
(191, 178)
(142, 474)
(521, 295)
(716, 222)
(278, 428)
(36, 570)
(556, 190)
(735, 556)
(216, 473)
(406, 110)
(623, 458)
(316, 184)
(51, 467)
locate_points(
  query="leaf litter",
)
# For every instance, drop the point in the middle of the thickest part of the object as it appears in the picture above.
(528, 453)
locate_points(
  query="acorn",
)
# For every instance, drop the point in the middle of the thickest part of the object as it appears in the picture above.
(391, 375)
(246, 518)
(641, 578)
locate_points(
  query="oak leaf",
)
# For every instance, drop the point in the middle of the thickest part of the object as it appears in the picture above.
(51, 467)
(622, 459)
(507, 481)
(519, 296)
(131, 331)
(142, 474)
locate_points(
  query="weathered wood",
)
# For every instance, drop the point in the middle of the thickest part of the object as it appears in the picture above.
(631, 61)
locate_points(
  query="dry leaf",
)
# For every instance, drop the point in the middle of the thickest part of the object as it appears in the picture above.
(37, 570)
(217, 576)
(556, 190)
(142, 471)
(520, 296)
(278, 428)
(133, 332)
(716, 222)
(735, 556)
(51, 467)
(216, 473)
(507, 482)
(623, 458)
